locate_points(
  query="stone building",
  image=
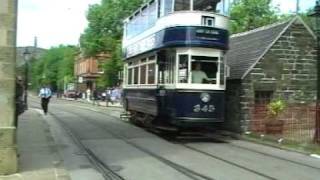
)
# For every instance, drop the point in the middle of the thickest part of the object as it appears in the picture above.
(275, 61)
(8, 29)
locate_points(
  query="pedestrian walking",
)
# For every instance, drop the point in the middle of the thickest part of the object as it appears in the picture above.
(95, 97)
(45, 95)
(88, 94)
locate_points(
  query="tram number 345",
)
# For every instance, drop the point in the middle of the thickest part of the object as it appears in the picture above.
(205, 108)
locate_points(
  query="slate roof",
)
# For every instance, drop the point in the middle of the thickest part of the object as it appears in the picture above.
(249, 47)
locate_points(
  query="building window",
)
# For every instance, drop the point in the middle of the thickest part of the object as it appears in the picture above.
(262, 97)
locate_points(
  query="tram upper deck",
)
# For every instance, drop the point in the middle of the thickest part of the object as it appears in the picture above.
(163, 23)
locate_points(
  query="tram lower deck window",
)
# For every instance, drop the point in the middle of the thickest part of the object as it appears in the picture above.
(151, 73)
(136, 75)
(204, 70)
(130, 71)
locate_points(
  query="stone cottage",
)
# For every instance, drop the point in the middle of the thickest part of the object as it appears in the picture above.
(275, 61)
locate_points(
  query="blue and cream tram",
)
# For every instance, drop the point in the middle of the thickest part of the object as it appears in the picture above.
(175, 72)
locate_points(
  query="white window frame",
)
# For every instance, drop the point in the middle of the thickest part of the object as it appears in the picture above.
(137, 63)
(199, 52)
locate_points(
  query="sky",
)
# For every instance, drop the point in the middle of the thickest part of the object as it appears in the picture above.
(57, 22)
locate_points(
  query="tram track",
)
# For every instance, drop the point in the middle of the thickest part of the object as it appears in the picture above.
(193, 175)
(272, 156)
(100, 166)
(239, 147)
(188, 172)
(106, 172)
(229, 162)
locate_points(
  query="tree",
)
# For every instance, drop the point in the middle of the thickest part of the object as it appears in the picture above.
(106, 25)
(55, 67)
(104, 34)
(250, 14)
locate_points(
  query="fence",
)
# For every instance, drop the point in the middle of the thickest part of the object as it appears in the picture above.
(299, 122)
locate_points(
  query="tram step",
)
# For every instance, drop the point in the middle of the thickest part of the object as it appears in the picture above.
(125, 116)
(166, 128)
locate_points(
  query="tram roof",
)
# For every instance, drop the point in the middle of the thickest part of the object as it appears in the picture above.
(247, 48)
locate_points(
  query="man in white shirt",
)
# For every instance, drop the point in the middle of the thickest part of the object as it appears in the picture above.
(45, 95)
(198, 75)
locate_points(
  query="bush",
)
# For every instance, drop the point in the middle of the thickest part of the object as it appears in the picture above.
(276, 107)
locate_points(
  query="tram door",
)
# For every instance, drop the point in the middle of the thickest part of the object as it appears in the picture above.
(166, 62)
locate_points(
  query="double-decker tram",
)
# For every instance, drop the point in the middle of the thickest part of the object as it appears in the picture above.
(175, 71)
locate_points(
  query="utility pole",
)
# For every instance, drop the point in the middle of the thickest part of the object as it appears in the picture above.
(298, 7)
(316, 19)
(8, 28)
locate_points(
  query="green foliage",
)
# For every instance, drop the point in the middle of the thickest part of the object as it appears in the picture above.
(250, 14)
(276, 107)
(104, 34)
(307, 18)
(55, 67)
(105, 25)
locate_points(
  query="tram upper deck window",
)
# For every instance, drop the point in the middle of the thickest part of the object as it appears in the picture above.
(204, 70)
(166, 7)
(218, 6)
(223, 7)
(205, 5)
(182, 5)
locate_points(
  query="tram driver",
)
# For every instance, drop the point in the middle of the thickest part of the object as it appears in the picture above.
(199, 76)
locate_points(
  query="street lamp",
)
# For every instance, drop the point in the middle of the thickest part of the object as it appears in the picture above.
(315, 15)
(26, 57)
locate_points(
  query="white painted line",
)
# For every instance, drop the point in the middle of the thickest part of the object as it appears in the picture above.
(38, 110)
(315, 156)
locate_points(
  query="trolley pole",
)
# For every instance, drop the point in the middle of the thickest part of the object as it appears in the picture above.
(316, 19)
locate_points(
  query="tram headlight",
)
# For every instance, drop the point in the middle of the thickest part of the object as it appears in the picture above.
(205, 97)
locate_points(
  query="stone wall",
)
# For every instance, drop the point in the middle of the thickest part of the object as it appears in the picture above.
(233, 111)
(288, 69)
(8, 152)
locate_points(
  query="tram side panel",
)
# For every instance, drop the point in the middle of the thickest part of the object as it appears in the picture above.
(141, 100)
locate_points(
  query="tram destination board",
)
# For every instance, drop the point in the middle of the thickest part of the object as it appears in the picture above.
(179, 37)
(208, 34)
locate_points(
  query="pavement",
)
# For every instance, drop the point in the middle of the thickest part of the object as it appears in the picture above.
(38, 154)
(45, 152)
(99, 103)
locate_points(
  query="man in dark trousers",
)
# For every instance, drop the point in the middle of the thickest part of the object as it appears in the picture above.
(45, 95)
(20, 104)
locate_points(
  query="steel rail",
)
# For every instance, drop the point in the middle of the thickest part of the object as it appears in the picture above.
(183, 170)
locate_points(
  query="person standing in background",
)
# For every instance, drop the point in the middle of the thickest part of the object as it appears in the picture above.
(20, 104)
(45, 95)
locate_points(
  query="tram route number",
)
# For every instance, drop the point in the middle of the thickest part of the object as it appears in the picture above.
(205, 108)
